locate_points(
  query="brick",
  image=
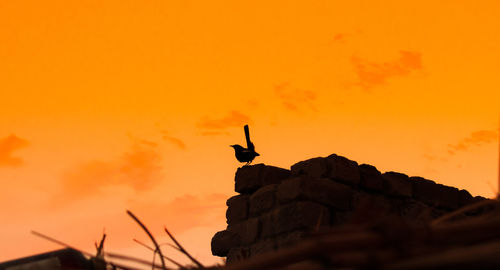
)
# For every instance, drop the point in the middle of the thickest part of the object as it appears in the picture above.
(424, 190)
(268, 224)
(300, 215)
(263, 246)
(324, 191)
(248, 230)
(464, 198)
(397, 184)
(223, 241)
(263, 200)
(343, 170)
(290, 239)
(274, 175)
(368, 207)
(415, 211)
(314, 167)
(371, 178)
(290, 189)
(237, 209)
(248, 179)
(448, 197)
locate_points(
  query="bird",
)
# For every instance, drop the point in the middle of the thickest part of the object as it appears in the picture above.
(245, 154)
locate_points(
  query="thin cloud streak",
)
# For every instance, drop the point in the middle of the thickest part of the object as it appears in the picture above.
(474, 139)
(232, 119)
(8, 146)
(296, 100)
(173, 140)
(140, 168)
(372, 74)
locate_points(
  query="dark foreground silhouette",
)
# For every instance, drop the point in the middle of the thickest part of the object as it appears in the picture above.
(245, 154)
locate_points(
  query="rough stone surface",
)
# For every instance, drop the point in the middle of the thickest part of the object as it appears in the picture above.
(274, 175)
(343, 170)
(464, 198)
(300, 215)
(294, 216)
(263, 246)
(415, 211)
(277, 207)
(237, 254)
(223, 241)
(237, 209)
(397, 184)
(371, 178)
(424, 190)
(314, 167)
(324, 191)
(263, 200)
(248, 230)
(250, 178)
(448, 197)
(371, 205)
(289, 239)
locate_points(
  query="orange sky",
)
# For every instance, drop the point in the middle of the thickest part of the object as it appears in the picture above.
(114, 105)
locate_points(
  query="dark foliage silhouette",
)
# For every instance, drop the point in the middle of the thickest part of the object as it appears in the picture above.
(245, 154)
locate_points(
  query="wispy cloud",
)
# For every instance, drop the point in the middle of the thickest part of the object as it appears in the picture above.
(373, 74)
(140, 168)
(173, 140)
(474, 139)
(232, 119)
(8, 146)
(294, 99)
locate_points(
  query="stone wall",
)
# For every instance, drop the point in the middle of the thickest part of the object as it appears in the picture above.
(277, 207)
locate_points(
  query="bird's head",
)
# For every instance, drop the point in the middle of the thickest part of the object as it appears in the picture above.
(237, 147)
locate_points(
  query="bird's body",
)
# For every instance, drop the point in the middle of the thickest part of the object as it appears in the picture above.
(245, 154)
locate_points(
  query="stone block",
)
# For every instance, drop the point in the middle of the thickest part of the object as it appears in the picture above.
(425, 190)
(300, 215)
(343, 170)
(290, 239)
(263, 200)
(263, 246)
(236, 255)
(250, 178)
(464, 198)
(340, 217)
(314, 167)
(237, 209)
(397, 184)
(371, 178)
(248, 230)
(268, 224)
(324, 191)
(223, 241)
(415, 211)
(448, 197)
(274, 175)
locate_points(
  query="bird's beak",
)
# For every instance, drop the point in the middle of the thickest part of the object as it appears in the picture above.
(231, 146)
(257, 154)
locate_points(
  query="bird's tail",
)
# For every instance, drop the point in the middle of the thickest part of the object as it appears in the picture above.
(250, 145)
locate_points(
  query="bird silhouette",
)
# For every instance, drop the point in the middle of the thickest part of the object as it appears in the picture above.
(245, 154)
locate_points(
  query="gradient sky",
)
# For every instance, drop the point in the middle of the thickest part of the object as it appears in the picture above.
(114, 105)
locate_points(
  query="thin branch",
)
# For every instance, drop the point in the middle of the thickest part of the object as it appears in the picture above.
(79, 250)
(183, 250)
(60, 243)
(152, 249)
(150, 236)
